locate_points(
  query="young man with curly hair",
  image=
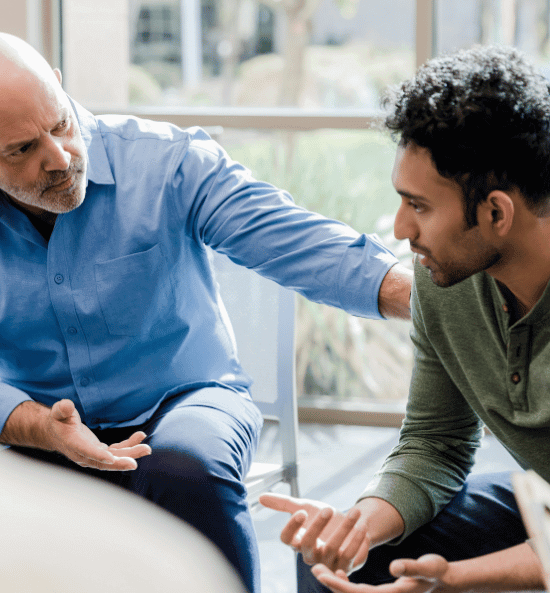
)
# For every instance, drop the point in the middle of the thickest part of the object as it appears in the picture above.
(473, 172)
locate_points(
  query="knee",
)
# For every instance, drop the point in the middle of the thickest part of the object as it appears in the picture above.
(166, 469)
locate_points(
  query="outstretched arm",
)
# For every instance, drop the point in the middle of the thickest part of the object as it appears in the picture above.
(60, 429)
(516, 568)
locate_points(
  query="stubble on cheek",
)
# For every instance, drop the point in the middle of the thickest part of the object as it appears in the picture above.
(43, 194)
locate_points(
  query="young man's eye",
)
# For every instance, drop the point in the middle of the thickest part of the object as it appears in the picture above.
(416, 207)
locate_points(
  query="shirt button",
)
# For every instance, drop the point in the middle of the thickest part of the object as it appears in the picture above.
(58, 278)
(515, 378)
(505, 308)
(72, 331)
(84, 382)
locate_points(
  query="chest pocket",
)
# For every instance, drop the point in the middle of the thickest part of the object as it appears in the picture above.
(135, 293)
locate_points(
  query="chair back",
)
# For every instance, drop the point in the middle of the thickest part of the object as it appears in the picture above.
(262, 315)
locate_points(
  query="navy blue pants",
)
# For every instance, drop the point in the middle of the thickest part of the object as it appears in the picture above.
(203, 443)
(482, 518)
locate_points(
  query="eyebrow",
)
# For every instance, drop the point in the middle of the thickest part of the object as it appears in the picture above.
(411, 196)
(19, 143)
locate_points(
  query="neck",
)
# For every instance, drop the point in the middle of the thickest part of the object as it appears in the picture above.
(38, 213)
(525, 266)
(46, 217)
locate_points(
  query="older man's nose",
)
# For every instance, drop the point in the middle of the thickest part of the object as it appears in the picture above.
(57, 157)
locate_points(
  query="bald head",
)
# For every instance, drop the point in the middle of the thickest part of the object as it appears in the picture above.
(18, 58)
(42, 154)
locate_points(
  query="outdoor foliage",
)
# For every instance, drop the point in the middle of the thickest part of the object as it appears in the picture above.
(343, 175)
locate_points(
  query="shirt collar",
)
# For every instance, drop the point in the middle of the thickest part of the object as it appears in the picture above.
(99, 169)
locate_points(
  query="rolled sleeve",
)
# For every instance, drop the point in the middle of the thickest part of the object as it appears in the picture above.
(10, 398)
(362, 270)
(410, 501)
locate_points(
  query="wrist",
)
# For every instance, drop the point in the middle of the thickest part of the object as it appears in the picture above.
(384, 523)
(44, 430)
(456, 578)
(394, 294)
(28, 426)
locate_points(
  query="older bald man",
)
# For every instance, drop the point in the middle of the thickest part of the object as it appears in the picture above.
(110, 328)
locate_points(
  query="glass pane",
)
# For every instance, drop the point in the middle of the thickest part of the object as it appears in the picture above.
(339, 55)
(335, 54)
(343, 175)
(522, 23)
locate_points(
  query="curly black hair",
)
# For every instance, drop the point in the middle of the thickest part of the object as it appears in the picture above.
(484, 115)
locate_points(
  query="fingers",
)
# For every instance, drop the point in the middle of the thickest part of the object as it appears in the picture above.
(121, 456)
(337, 582)
(134, 452)
(429, 566)
(342, 546)
(292, 532)
(120, 465)
(114, 464)
(134, 439)
(310, 547)
(280, 502)
(352, 554)
(336, 555)
(131, 447)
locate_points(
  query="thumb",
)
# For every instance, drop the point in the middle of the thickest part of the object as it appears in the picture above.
(63, 409)
(429, 566)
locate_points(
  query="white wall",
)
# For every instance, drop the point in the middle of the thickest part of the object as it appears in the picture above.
(96, 51)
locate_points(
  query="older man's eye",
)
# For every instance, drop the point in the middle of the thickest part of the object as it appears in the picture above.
(23, 149)
(61, 126)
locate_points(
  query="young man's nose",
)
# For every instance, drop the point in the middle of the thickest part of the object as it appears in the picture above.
(403, 227)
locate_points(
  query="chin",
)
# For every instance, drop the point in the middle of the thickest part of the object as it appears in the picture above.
(71, 202)
(448, 280)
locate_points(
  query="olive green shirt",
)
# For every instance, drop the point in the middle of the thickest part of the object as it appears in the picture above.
(473, 366)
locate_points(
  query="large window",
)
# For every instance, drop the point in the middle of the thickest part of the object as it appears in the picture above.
(344, 174)
(522, 23)
(319, 54)
(234, 66)
(253, 73)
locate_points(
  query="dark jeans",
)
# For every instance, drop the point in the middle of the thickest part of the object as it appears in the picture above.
(482, 518)
(202, 443)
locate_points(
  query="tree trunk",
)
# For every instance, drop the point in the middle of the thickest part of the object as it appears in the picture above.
(297, 38)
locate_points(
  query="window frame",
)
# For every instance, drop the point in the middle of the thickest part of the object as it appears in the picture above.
(40, 22)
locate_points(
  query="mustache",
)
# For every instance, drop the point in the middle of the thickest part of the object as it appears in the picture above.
(418, 247)
(57, 177)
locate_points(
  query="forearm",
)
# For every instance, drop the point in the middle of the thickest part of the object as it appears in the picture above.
(384, 523)
(516, 568)
(395, 292)
(27, 426)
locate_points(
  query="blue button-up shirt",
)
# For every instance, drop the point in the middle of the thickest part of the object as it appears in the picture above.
(120, 308)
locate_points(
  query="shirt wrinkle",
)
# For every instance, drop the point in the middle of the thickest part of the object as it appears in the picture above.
(121, 310)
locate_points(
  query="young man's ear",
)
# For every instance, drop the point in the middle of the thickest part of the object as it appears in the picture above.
(57, 73)
(495, 214)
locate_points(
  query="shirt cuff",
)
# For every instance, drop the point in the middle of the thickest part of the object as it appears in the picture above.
(411, 502)
(362, 269)
(10, 398)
